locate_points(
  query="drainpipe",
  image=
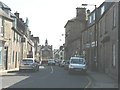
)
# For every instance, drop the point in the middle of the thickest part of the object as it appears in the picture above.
(118, 41)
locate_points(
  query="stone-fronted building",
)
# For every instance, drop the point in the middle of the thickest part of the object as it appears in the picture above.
(15, 40)
(73, 28)
(56, 54)
(61, 53)
(46, 52)
(36, 48)
(106, 36)
(108, 28)
(5, 37)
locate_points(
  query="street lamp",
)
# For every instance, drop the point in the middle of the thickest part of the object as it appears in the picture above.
(88, 5)
(95, 35)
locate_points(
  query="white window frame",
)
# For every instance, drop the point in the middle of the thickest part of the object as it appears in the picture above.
(102, 9)
(90, 19)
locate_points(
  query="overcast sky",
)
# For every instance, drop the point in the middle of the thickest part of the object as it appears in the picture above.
(47, 18)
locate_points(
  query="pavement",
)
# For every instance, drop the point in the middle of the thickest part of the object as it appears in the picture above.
(101, 80)
(4, 72)
(96, 79)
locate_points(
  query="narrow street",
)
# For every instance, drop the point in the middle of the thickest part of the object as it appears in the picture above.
(77, 35)
(46, 77)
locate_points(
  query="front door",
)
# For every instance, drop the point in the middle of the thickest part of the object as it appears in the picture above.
(6, 58)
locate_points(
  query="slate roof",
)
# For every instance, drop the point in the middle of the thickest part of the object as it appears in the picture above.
(2, 5)
(2, 12)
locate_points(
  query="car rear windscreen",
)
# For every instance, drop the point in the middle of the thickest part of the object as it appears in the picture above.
(77, 61)
(26, 61)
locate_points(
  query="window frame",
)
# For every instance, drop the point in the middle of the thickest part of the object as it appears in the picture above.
(102, 10)
(114, 16)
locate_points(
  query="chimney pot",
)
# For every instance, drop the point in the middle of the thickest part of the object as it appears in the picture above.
(88, 11)
(81, 13)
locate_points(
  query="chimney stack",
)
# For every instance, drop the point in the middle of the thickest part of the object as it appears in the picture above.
(17, 14)
(81, 13)
(88, 12)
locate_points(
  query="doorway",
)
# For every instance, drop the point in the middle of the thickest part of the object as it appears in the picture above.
(6, 58)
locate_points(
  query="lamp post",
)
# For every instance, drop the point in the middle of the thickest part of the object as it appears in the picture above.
(95, 37)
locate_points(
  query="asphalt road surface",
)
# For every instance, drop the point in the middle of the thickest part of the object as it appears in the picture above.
(46, 77)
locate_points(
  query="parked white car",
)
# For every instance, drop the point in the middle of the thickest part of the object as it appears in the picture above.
(28, 64)
(77, 64)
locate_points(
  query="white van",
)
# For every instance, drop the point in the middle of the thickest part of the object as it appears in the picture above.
(77, 64)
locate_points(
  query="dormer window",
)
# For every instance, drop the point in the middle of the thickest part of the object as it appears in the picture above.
(90, 19)
(94, 16)
(4, 6)
(102, 9)
(6, 9)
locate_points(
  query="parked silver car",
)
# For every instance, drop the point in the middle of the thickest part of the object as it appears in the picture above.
(51, 62)
(28, 64)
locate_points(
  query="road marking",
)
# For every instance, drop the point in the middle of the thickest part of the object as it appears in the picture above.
(51, 69)
(41, 67)
(90, 82)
